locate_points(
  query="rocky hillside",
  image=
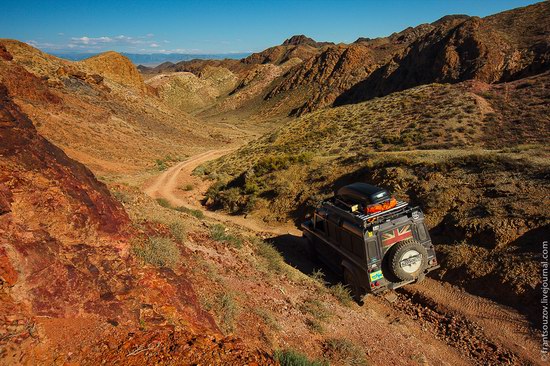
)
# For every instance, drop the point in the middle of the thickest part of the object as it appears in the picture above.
(502, 47)
(117, 68)
(299, 46)
(99, 110)
(188, 92)
(322, 78)
(71, 286)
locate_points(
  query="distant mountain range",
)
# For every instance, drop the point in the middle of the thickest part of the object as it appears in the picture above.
(153, 59)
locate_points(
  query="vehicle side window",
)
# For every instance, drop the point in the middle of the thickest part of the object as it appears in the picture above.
(333, 232)
(345, 241)
(358, 246)
(319, 224)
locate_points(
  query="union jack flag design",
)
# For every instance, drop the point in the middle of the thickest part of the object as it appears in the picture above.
(396, 235)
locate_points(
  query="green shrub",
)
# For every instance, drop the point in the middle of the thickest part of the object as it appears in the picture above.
(251, 187)
(188, 187)
(250, 204)
(158, 251)
(200, 170)
(193, 212)
(274, 163)
(213, 191)
(230, 199)
(290, 357)
(161, 165)
(164, 202)
(218, 232)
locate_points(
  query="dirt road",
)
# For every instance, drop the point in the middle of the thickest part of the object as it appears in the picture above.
(181, 188)
(483, 331)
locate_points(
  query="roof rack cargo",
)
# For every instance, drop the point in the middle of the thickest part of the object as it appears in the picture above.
(359, 218)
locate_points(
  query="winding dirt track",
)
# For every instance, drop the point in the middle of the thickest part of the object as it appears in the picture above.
(167, 185)
(487, 329)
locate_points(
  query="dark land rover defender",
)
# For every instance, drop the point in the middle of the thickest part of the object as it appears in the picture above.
(376, 242)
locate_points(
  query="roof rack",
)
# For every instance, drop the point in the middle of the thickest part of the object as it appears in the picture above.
(361, 219)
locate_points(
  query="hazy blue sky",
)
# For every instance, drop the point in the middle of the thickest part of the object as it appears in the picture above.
(217, 26)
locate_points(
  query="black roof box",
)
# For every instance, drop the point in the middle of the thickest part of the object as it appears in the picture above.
(363, 193)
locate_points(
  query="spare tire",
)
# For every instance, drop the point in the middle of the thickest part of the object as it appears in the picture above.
(407, 260)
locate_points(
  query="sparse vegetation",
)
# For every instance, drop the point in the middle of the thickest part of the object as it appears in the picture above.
(315, 308)
(224, 305)
(188, 187)
(158, 251)
(219, 232)
(193, 212)
(314, 325)
(274, 260)
(177, 229)
(268, 318)
(121, 196)
(164, 202)
(318, 276)
(165, 162)
(290, 357)
(342, 293)
(345, 352)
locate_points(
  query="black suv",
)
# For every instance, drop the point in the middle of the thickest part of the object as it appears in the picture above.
(376, 242)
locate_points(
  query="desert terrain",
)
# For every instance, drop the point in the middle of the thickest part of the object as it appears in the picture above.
(150, 215)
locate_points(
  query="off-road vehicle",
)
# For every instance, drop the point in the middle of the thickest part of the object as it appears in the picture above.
(371, 239)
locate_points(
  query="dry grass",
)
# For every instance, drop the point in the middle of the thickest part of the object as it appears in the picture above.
(345, 352)
(342, 293)
(224, 305)
(158, 251)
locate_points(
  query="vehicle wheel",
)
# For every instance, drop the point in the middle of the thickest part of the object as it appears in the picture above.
(407, 260)
(310, 249)
(355, 290)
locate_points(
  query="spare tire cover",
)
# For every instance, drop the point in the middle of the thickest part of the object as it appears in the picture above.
(407, 259)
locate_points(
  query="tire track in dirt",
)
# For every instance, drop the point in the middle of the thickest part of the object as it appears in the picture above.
(487, 333)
